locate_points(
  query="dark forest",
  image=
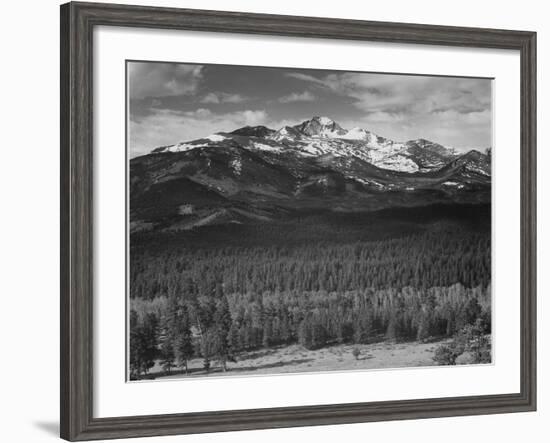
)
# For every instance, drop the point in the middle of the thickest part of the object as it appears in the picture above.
(316, 279)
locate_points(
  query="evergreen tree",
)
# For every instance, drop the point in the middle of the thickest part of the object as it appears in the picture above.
(234, 338)
(267, 336)
(135, 346)
(363, 329)
(222, 326)
(305, 333)
(150, 332)
(167, 354)
(143, 343)
(182, 337)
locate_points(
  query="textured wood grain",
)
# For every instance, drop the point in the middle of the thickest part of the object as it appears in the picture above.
(77, 22)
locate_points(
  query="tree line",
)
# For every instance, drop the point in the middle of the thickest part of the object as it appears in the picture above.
(422, 261)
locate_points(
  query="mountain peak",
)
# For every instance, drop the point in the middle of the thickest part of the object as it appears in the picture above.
(325, 121)
(253, 131)
(474, 154)
(429, 146)
(286, 132)
(320, 126)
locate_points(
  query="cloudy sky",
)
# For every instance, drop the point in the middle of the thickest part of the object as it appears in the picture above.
(172, 102)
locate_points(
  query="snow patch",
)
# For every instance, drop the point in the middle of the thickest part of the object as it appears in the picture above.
(311, 149)
(216, 138)
(282, 134)
(237, 166)
(368, 182)
(325, 121)
(474, 168)
(182, 147)
(355, 134)
(264, 147)
(452, 183)
(397, 163)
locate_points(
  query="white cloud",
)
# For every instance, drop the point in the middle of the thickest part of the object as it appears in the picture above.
(162, 79)
(447, 110)
(406, 94)
(200, 113)
(305, 96)
(447, 128)
(233, 98)
(223, 97)
(210, 98)
(253, 118)
(305, 77)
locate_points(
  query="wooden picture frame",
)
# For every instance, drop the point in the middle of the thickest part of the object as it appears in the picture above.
(77, 23)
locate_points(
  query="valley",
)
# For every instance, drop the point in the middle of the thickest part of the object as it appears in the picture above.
(294, 359)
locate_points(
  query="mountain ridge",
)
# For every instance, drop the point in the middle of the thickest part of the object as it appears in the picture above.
(255, 174)
(321, 135)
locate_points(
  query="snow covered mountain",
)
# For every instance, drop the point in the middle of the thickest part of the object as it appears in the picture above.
(322, 127)
(257, 174)
(321, 136)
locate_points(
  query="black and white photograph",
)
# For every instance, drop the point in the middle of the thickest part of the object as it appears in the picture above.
(285, 220)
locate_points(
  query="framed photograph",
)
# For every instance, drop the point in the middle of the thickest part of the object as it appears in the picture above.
(272, 221)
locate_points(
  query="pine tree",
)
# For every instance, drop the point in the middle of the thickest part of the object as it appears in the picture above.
(234, 338)
(222, 326)
(318, 335)
(183, 340)
(305, 332)
(392, 331)
(135, 345)
(267, 336)
(425, 323)
(208, 346)
(364, 324)
(143, 343)
(167, 354)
